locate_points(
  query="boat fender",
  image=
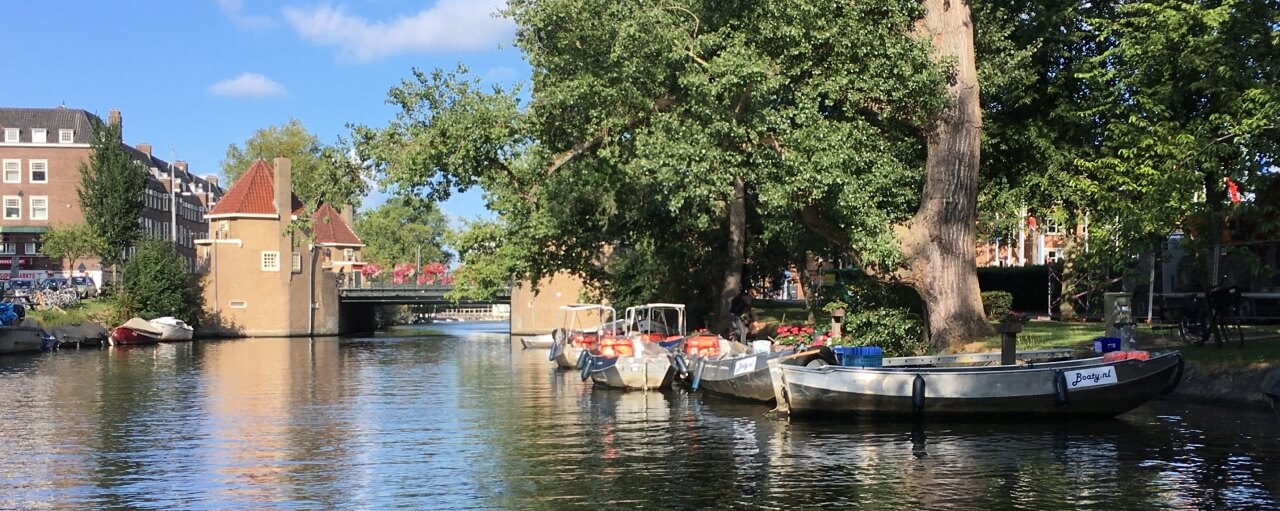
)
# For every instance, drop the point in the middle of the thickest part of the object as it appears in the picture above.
(585, 367)
(1060, 387)
(584, 359)
(697, 374)
(1177, 378)
(682, 366)
(917, 393)
(556, 348)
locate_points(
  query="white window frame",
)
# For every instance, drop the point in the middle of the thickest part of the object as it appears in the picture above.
(348, 254)
(1053, 228)
(31, 171)
(11, 135)
(66, 136)
(238, 304)
(270, 260)
(9, 248)
(295, 262)
(31, 248)
(17, 170)
(39, 136)
(4, 206)
(32, 202)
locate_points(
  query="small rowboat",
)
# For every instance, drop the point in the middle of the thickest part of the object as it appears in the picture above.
(172, 329)
(734, 372)
(536, 342)
(133, 332)
(1101, 386)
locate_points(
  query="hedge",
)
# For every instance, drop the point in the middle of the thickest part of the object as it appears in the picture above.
(1027, 284)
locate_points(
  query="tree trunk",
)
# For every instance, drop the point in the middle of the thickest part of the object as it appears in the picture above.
(732, 283)
(938, 241)
(1071, 280)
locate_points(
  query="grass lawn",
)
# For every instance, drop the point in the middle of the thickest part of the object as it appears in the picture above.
(89, 310)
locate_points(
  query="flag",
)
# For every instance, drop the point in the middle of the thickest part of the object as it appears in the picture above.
(1031, 222)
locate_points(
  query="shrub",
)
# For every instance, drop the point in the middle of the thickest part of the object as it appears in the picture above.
(995, 304)
(156, 283)
(898, 332)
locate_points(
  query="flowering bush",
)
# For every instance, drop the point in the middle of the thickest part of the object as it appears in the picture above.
(371, 270)
(791, 335)
(434, 268)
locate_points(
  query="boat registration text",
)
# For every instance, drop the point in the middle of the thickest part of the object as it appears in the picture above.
(1090, 377)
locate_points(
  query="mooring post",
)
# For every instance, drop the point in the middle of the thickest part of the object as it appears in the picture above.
(1009, 341)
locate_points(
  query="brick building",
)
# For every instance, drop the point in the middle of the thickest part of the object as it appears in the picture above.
(261, 277)
(41, 150)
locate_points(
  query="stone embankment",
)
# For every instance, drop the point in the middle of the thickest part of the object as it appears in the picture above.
(1256, 386)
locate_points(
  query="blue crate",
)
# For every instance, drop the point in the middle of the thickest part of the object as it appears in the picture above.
(859, 356)
(1106, 344)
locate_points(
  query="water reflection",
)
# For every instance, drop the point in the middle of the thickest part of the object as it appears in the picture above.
(461, 417)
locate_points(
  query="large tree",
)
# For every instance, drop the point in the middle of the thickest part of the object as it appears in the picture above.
(110, 191)
(674, 123)
(320, 172)
(401, 230)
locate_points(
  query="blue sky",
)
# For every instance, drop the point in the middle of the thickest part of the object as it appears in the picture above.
(192, 77)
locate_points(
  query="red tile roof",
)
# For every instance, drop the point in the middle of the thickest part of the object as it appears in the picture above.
(253, 193)
(330, 229)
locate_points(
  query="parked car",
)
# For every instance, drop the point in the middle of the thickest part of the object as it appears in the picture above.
(21, 287)
(55, 283)
(85, 286)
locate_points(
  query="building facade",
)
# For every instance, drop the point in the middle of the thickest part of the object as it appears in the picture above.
(263, 276)
(41, 151)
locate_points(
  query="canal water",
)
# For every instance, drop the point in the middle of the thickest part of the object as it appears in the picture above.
(460, 417)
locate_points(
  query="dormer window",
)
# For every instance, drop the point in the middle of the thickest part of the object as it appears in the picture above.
(39, 135)
(11, 135)
(66, 136)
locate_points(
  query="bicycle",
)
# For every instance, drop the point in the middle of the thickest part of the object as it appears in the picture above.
(1214, 315)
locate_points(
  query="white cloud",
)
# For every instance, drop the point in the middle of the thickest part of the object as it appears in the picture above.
(449, 25)
(234, 9)
(248, 85)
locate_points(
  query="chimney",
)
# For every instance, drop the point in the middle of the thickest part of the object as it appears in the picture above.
(180, 165)
(114, 118)
(348, 214)
(212, 179)
(145, 148)
(284, 188)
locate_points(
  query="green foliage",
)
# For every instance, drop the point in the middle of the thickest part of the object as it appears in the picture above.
(995, 304)
(70, 242)
(898, 332)
(156, 283)
(621, 166)
(320, 173)
(394, 231)
(110, 192)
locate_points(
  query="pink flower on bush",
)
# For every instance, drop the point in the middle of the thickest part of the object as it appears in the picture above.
(434, 268)
(371, 270)
(447, 280)
(423, 278)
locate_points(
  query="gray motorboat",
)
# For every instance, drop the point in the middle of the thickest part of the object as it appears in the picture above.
(1099, 386)
(24, 338)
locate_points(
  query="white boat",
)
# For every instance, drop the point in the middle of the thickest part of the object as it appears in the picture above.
(582, 328)
(639, 359)
(172, 329)
(532, 342)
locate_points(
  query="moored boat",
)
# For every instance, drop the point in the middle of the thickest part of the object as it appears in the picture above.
(23, 339)
(639, 359)
(172, 329)
(1099, 386)
(531, 342)
(133, 332)
(581, 327)
(734, 370)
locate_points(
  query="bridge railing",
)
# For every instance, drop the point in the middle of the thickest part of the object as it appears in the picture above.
(354, 282)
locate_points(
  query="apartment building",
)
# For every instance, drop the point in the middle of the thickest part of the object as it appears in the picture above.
(41, 150)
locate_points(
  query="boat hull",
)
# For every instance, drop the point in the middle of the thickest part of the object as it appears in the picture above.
(173, 333)
(645, 372)
(567, 356)
(743, 377)
(1088, 387)
(125, 336)
(542, 342)
(16, 339)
